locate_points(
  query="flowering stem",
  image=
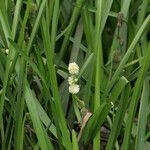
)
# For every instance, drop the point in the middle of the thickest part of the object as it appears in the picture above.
(76, 109)
(97, 47)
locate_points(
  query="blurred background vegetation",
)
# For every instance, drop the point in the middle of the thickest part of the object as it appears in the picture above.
(109, 40)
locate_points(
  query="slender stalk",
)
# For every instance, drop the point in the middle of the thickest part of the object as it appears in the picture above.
(98, 56)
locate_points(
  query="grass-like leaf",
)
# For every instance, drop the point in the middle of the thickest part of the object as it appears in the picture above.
(42, 136)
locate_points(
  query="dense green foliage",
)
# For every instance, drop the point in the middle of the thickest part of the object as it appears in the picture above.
(109, 40)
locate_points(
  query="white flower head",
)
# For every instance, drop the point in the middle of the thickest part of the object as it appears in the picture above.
(74, 88)
(72, 80)
(6, 51)
(73, 68)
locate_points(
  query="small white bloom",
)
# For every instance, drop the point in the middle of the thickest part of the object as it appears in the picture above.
(74, 88)
(72, 80)
(6, 51)
(73, 68)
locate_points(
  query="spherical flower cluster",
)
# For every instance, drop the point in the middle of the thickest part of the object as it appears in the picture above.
(73, 69)
(72, 80)
(74, 88)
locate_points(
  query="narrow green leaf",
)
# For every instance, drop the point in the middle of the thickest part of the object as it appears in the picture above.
(118, 88)
(16, 17)
(42, 136)
(119, 116)
(72, 24)
(93, 125)
(127, 55)
(74, 141)
(45, 119)
(87, 62)
(140, 138)
(36, 25)
(135, 99)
